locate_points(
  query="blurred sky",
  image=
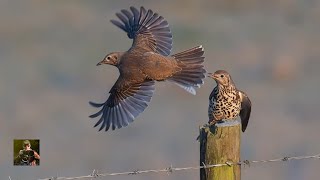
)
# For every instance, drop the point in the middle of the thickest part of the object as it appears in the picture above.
(48, 56)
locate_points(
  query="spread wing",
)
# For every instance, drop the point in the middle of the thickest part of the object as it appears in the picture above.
(123, 105)
(245, 110)
(148, 30)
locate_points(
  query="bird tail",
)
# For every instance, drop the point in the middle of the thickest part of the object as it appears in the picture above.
(192, 71)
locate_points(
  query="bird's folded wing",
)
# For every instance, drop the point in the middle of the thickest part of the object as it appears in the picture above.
(123, 105)
(148, 30)
(245, 110)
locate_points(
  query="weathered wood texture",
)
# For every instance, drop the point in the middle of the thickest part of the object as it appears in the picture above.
(219, 144)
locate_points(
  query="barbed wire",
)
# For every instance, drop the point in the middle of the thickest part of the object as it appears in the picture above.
(171, 169)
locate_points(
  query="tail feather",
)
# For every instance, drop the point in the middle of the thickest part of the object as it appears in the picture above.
(190, 79)
(190, 53)
(192, 71)
(194, 60)
(190, 75)
(189, 89)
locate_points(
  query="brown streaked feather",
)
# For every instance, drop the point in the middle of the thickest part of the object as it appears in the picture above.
(158, 67)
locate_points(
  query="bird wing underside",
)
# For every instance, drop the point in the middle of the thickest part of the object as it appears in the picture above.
(123, 105)
(148, 30)
(245, 110)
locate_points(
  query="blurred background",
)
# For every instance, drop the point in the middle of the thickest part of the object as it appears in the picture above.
(48, 56)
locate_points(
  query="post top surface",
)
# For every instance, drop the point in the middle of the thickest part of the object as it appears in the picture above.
(228, 123)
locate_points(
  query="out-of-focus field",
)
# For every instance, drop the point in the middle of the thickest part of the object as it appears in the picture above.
(48, 53)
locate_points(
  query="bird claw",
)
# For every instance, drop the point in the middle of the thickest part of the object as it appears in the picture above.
(202, 127)
(205, 126)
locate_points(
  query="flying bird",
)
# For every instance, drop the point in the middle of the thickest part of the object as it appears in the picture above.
(226, 102)
(144, 63)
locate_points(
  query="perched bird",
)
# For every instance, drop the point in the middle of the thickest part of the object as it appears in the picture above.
(226, 102)
(144, 63)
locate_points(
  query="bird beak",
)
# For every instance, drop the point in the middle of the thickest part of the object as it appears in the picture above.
(101, 62)
(212, 75)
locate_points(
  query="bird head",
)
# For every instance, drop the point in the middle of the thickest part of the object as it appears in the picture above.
(221, 77)
(111, 59)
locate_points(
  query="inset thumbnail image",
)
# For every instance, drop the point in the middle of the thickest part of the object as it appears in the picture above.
(26, 152)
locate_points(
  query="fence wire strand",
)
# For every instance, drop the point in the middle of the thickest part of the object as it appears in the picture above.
(171, 169)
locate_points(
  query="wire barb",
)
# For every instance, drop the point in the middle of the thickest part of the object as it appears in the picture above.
(171, 169)
(204, 165)
(229, 163)
(285, 159)
(94, 174)
(246, 163)
(135, 172)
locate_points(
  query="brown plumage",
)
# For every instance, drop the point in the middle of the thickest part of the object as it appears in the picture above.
(226, 102)
(144, 63)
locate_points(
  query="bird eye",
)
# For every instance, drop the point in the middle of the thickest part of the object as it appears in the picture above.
(222, 75)
(115, 57)
(108, 57)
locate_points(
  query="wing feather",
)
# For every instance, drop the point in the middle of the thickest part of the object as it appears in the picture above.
(245, 110)
(123, 105)
(148, 30)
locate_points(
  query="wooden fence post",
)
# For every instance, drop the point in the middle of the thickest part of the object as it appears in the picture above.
(220, 143)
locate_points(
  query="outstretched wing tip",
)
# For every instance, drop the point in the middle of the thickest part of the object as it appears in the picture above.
(94, 104)
(121, 109)
(148, 24)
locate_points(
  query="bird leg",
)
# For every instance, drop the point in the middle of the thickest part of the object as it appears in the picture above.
(213, 122)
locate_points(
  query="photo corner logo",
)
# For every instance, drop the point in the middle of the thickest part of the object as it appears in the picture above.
(26, 152)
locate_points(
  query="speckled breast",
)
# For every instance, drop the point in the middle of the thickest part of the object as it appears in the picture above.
(224, 105)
